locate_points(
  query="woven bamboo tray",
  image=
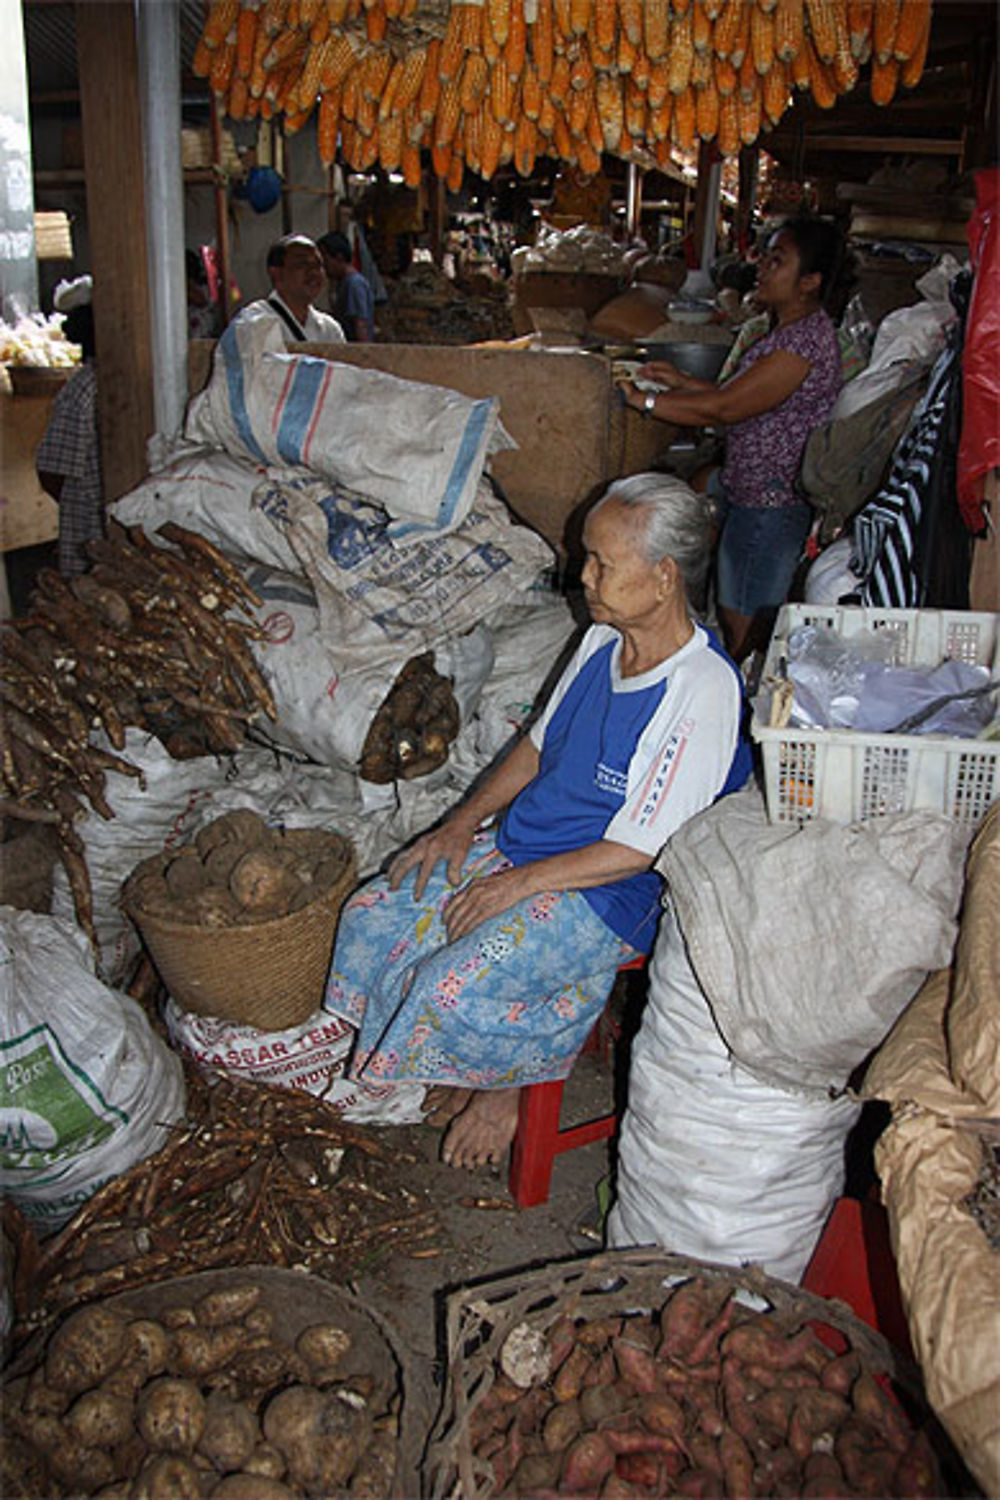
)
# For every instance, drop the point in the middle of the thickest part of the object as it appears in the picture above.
(617, 1283)
(270, 975)
(296, 1301)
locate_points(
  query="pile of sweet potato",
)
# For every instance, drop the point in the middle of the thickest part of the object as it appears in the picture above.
(210, 1399)
(237, 871)
(702, 1398)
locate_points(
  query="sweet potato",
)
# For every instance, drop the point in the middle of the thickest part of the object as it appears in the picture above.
(603, 1371)
(703, 1452)
(148, 1344)
(171, 1415)
(698, 1484)
(562, 1341)
(707, 1342)
(774, 1407)
(637, 1366)
(650, 1470)
(568, 1380)
(823, 1478)
(99, 1419)
(561, 1426)
(617, 1488)
(197, 1351)
(601, 1403)
(662, 1415)
(795, 1378)
(587, 1463)
(814, 1421)
(167, 1476)
(539, 1471)
(598, 1334)
(875, 1406)
(840, 1373)
(737, 1466)
(683, 1318)
(869, 1467)
(917, 1470)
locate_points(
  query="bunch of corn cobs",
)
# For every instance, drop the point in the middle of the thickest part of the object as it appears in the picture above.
(481, 84)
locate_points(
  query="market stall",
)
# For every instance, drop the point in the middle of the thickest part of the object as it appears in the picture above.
(313, 625)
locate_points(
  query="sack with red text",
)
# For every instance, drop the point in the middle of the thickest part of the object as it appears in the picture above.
(311, 1057)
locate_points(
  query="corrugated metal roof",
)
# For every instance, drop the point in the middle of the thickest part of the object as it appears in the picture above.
(50, 45)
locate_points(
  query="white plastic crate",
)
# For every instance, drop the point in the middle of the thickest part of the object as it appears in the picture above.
(845, 775)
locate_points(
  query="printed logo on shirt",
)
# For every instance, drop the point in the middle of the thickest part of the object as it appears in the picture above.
(662, 774)
(608, 779)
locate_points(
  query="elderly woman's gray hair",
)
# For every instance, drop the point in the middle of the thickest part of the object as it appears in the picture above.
(680, 523)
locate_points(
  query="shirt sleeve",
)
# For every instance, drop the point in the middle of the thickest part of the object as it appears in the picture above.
(65, 446)
(684, 755)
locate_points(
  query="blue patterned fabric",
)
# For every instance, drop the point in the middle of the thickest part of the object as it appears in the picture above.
(510, 1004)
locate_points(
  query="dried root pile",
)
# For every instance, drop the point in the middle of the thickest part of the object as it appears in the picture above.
(144, 638)
(412, 730)
(703, 1398)
(210, 1396)
(257, 1176)
(486, 82)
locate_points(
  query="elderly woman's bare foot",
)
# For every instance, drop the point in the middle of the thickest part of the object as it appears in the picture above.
(481, 1134)
(442, 1104)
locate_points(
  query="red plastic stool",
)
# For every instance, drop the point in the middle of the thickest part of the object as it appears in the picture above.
(853, 1261)
(539, 1139)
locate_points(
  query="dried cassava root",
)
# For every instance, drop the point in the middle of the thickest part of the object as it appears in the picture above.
(701, 1398)
(208, 1399)
(237, 872)
(145, 638)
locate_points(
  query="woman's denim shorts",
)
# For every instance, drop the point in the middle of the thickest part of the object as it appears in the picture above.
(759, 550)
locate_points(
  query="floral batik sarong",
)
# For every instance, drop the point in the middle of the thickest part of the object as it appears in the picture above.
(509, 1004)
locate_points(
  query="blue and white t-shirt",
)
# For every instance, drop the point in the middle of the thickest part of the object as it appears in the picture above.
(629, 759)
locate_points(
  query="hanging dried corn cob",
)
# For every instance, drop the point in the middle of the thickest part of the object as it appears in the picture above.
(502, 80)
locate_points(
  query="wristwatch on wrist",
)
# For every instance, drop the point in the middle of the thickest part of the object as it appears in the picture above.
(649, 403)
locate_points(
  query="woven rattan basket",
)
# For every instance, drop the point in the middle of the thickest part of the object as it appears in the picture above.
(269, 975)
(619, 1283)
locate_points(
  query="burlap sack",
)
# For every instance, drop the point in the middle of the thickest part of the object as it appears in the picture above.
(929, 1159)
(974, 1016)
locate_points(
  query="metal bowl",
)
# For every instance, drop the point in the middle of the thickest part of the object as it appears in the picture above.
(701, 360)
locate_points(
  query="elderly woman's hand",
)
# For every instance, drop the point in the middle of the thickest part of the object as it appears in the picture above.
(451, 841)
(481, 899)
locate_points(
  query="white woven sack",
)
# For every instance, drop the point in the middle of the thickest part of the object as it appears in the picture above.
(713, 1163)
(87, 1088)
(416, 449)
(311, 1057)
(226, 499)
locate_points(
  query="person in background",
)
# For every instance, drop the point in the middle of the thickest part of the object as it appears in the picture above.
(202, 313)
(482, 961)
(353, 299)
(296, 271)
(68, 459)
(784, 386)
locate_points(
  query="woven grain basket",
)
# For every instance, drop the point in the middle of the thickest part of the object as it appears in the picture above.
(270, 975)
(481, 1316)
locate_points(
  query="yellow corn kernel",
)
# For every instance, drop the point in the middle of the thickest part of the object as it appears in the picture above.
(726, 77)
(884, 79)
(762, 39)
(706, 111)
(221, 20)
(223, 59)
(580, 104)
(658, 120)
(728, 135)
(501, 93)
(238, 99)
(448, 112)
(516, 49)
(605, 24)
(776, 92)
(559, 83)
(658, 32)
(658, 87)
(525, 146)
(884, 24)
(498, 19)
(201, 63)
(474, 81)
(748, 114)
(628, 53)
(441, 160)
(327, 126)
(410, 165)
(531, 91)
(390, 142)
(912, 68)
(914, 19)
(542, 48)
(820, 78)
(630, 20)
(741, 44)
(376, 25)
(547, 115)
(246, 35)
(492, 144)
(859, 25)
(581, 70)
(641, 70)
(588, 158)
(701, 70)
(701, 28)
(822, 28)
(684, 120)
(452, 46)
(430, 84)
(726, 33)
(789, 29)
(681, 54)
(411, 77)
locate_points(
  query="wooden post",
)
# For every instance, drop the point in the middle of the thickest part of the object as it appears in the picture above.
(749, 160)
(116, 219)
(221, 195)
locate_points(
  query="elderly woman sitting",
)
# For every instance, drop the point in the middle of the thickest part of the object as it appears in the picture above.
(486, 956)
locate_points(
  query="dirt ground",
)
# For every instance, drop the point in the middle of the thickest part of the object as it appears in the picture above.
(483, 1234)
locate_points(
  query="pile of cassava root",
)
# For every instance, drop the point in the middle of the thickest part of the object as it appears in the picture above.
(208, 1399)
(413, 728)
(702, 1398)
(238, 871)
